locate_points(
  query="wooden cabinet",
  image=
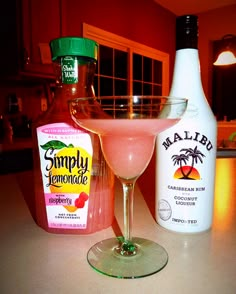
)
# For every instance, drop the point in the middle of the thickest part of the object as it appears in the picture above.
(26, 28)
(41, 22)
(8, 34)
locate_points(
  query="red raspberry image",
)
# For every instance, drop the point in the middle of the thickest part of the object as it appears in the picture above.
(84, 196)
(80, 201)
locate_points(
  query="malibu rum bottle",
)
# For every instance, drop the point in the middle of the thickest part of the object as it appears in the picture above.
(186, 152)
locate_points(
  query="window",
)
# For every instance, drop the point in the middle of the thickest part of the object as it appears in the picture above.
(112, 74)
(126, 67)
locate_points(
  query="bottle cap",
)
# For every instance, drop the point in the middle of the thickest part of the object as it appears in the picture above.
(187, 32)
(74, 46)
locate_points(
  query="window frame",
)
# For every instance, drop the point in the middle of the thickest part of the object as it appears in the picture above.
(117, 42)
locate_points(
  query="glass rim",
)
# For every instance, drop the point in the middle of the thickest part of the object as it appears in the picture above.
(169, 100)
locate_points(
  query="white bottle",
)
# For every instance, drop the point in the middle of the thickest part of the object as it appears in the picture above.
(186, 153)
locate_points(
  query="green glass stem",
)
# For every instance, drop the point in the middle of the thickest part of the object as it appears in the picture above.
(127, 247)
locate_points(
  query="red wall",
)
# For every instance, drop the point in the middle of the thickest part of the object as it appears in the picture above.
(142, 21)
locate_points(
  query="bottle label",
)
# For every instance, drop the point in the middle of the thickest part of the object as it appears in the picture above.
(66, 162)
(185, 176)
(69, 66)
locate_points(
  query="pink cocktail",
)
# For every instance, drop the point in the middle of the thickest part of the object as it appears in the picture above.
(127, 144)
(127, 128)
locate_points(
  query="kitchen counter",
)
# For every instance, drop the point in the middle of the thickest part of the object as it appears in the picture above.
(36, 262)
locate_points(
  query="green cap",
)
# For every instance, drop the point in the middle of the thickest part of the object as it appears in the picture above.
(74, 46)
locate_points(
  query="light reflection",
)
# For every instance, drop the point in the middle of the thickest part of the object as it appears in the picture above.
(73, 89)
(223, 193)
(135, 100)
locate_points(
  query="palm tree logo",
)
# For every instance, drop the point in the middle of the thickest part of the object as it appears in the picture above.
(185, 171)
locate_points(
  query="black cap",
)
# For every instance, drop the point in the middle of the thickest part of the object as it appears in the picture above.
(187, 32)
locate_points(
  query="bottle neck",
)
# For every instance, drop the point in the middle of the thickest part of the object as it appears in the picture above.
(186, 77)
(187, 32)
(81, 86)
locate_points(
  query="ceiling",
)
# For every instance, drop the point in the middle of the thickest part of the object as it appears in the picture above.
(181, 7)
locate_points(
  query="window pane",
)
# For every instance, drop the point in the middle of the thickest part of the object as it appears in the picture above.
(137, 88)
(157, 72)
(147, 69)
(157, 90)
(147, 89)
(121, 87)
(107, 102)
(106, 58)
(121, 64)
(106, 86)
(137, 67)
(121, 101)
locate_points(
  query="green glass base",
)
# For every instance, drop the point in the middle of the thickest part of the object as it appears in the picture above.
(150, 258)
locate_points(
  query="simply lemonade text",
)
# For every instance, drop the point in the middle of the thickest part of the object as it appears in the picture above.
(76, 168)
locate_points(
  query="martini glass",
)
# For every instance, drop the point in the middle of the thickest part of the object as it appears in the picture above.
(127, 127)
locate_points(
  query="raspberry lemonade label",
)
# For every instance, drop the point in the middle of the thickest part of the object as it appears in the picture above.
(66, 162)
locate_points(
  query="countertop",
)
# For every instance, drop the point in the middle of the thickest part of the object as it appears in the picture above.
(36, 262)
